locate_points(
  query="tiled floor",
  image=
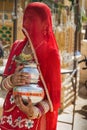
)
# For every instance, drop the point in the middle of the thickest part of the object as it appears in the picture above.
(80, 116)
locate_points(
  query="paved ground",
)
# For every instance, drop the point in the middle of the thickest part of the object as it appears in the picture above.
(80, 116)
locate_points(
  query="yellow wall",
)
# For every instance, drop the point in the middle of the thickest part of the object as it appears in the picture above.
(83, 2)
(66, 2)
(6, 5)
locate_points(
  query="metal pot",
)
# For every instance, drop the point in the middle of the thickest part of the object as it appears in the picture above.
(33, 71)
(34, 92)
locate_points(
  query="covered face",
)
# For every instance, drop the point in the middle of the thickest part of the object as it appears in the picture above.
(37, 22)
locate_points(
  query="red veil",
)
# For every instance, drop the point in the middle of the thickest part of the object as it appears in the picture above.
(37, 25)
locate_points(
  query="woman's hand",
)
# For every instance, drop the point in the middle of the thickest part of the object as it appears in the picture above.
(27, 109)
(20, 78)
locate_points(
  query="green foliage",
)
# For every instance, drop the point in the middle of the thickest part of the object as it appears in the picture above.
(83, 16)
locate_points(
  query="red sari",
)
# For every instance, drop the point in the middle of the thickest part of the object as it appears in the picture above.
(37, 27)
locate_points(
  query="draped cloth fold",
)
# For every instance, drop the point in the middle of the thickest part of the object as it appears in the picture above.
(37, 27)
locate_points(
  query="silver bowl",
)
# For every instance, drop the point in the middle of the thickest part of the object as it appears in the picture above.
(33, 71)
(34, 92)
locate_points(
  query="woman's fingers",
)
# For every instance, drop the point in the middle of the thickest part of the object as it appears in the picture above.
(19, 68)
(24, 76)
(21, 78)
(27, 109)
(19, 102)
(29, 102)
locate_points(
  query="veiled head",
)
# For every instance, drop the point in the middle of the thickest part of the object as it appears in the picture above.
(37, 21)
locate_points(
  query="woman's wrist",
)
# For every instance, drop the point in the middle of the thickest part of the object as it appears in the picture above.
(11, 79)
(43, 106)
(36, 113)
(39, 109)
(7, 84)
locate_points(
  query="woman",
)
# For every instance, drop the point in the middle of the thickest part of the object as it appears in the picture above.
(37, 28)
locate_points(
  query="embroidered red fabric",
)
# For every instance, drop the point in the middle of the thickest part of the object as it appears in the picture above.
(38, 24)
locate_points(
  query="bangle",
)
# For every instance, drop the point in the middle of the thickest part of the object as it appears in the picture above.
(43, 106)
(7, 84)
(4, 86)
(36, 113)
(9, 81)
